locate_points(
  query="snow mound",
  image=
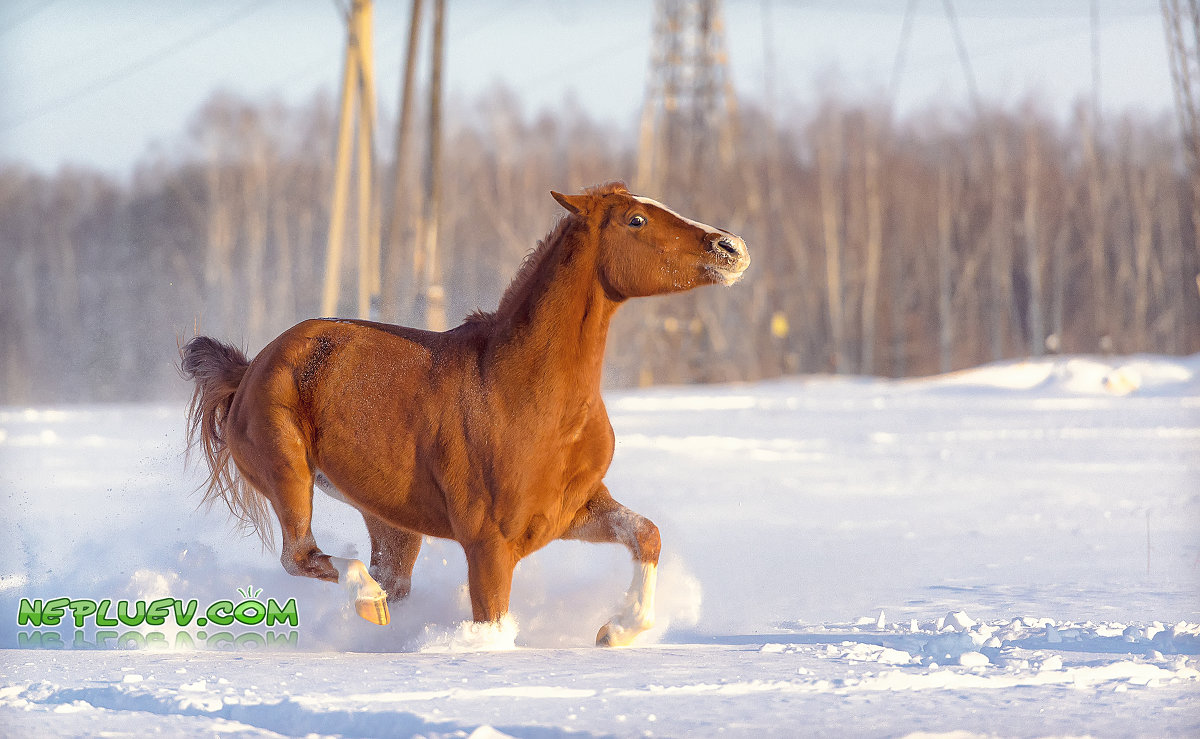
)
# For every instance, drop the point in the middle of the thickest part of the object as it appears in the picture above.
(1079, 375)
(1027, 642)
(958, 503)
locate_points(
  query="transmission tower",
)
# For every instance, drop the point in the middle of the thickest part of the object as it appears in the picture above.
(689, 111)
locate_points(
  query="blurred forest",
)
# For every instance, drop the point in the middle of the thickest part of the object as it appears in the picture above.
(881, 246)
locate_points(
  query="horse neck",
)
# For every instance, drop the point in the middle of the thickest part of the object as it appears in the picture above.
(553, 332)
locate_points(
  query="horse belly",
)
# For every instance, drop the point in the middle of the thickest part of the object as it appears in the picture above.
(385, 479)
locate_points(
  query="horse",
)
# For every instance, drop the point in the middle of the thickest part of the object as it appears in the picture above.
(492, 434)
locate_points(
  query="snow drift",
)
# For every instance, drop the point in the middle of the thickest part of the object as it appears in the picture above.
(1013, 548)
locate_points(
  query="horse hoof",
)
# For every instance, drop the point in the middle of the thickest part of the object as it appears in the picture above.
(604, 637)
(374, 609)
(615, 636)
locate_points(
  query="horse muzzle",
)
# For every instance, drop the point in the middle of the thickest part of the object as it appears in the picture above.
(731, 255)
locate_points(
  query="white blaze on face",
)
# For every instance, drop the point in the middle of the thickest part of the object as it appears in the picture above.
(689, 221)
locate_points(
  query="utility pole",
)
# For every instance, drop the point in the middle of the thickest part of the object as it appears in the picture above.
(428, 295)
(398, 230)
(431, 295)
(1097, 199)
(356, 119)
(689, 113)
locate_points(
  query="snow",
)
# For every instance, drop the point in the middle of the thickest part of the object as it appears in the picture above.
(1012, 549)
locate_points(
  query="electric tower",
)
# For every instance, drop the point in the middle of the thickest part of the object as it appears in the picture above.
(689, 113)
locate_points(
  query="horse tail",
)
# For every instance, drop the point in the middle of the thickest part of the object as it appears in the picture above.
(218, 369)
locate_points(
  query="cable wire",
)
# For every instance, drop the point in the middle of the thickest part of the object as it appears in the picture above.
(38, 8)
(133, 68)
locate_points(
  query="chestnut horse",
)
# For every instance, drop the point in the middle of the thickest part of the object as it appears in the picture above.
(492, 434)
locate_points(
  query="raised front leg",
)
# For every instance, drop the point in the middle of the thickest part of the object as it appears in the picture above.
(603, 519)
(393, 554)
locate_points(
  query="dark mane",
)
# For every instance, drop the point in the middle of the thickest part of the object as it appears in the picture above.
(616, 187)
(537, 256)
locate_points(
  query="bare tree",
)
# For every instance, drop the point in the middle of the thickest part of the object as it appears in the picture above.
(892, 246)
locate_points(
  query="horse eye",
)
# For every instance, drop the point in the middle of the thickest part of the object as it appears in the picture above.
(637, 221)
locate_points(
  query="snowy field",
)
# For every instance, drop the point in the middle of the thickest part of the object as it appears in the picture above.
(1011, 551)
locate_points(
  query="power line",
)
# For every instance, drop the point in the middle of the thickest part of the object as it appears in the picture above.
(481, 24)
(472, 28)
(963, 57)
(133, 68)
(572, 69)
(1003, 47)
(902, 50)
(38, 8)
(92, 57)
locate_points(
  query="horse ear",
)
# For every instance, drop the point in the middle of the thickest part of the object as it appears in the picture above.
(577, 204)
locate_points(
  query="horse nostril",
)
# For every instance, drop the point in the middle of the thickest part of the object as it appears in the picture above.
(728, 247)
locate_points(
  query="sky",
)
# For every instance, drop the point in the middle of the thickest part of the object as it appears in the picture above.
(103, 83)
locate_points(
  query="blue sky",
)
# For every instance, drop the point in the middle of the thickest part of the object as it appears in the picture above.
(100, 83)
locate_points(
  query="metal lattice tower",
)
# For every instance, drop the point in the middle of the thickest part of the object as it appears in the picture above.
(689, 113)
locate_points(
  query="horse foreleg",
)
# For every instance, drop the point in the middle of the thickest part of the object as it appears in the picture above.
(603, 519)
(393, 554)
(490, 565)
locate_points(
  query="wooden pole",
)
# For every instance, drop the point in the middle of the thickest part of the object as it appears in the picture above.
(356, 118)
(945, 253)
(341, 178)
(393, 255)
(1033, 245)
(870, 295)
(368, 231)
(829, 166)
(431, 298)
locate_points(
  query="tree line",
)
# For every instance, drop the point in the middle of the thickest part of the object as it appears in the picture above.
(882, 245)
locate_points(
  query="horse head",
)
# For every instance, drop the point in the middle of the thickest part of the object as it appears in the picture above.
(645, 248)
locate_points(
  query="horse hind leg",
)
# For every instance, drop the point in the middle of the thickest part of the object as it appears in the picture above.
(302, 557)
(393, 555)
(370, 600)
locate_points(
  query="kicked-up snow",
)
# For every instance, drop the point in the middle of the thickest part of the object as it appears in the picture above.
(1012, 550)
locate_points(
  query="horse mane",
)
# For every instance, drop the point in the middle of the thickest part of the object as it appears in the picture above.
(533, 261)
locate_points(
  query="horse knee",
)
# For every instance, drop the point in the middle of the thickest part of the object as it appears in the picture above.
(648, 543)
